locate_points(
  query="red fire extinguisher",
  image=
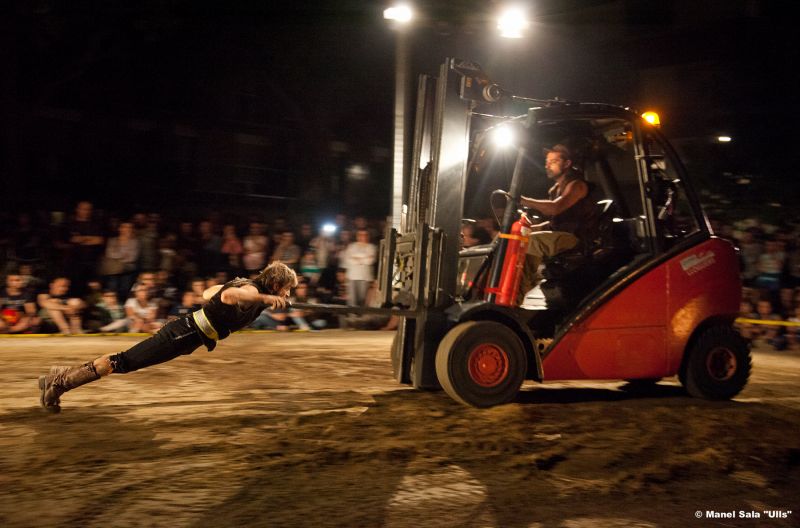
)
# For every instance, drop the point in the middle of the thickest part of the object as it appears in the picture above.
(514, 261)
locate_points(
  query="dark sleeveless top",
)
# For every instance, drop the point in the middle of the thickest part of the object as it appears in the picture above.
(228, 318)
(581, 219)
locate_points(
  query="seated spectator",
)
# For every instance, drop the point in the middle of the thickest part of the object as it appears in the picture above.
(270, 319)
(142, 311)
(786, 302)
(370, 321)
(94, 316)
(17, 308)
(166, 293)
(773, 334)
(117, 319)
(198, 286)
(60, 313)
(146, 279)
(305, 319)
(31, 283)
(793, 332)
(309, 268)
(186, 306)
(748, 331)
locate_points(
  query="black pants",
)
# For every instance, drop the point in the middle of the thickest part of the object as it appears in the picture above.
(176, 338)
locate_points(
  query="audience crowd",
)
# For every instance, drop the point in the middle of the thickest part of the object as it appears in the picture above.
(90, 272)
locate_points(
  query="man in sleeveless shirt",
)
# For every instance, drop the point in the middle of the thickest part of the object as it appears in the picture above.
(230, 307)
(570, 213)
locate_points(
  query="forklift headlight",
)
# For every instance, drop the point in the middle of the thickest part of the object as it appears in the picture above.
(503, 136)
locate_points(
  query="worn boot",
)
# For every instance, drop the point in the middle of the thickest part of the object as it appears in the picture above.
(62, 379)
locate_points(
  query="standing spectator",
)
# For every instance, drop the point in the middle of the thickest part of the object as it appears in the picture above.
(305, 236)
(255, 245)
(17, 307)
(187, 249)
(770, 267)
(149, 258)
(142, 311)
(793, 263)
(26, 240)
(324, 246)
(750, 249)
(287, 251)
(210, 244)
(167, 255)
(58, 311)
(86, 241)
(359, 259)
(231, 249)
(119, 263)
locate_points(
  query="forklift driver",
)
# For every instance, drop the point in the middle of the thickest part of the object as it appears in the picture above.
(570, 210)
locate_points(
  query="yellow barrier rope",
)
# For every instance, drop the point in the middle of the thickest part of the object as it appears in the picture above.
(251, 331)
(766, 322)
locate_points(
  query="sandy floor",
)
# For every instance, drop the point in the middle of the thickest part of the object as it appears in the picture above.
(296, 430)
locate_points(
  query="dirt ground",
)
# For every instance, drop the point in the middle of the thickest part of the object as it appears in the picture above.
(310, 430)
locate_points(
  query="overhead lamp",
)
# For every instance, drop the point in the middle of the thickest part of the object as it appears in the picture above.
(512, 22)
(401, 13)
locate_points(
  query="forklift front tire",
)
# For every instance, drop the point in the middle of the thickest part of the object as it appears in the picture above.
(718, 365)
(481, 363)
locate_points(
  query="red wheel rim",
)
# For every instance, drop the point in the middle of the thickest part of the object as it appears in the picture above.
(488, 365)
(721, 364)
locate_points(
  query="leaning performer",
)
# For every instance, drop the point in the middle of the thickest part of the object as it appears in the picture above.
(231, 307)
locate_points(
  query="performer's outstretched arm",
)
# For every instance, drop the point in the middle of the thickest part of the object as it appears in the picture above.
(249, 294)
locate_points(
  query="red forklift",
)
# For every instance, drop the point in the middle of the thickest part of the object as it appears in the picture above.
(650, 295)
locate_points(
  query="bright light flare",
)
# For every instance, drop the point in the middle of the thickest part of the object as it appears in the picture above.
(724, 139)
(512, 22)
(652, 118)
(503, 136)
(329, 228)
(401, 13)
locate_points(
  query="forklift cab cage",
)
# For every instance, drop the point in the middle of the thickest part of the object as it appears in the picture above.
(637, 300)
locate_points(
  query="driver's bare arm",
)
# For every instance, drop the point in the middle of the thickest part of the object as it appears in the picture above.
(574, 191)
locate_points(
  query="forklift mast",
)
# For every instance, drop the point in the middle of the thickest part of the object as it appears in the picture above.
(418, 264)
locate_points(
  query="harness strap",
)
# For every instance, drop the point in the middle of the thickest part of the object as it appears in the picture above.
(205, 326)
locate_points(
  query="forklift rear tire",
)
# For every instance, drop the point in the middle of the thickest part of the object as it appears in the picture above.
(718, 365)
(481, 363)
